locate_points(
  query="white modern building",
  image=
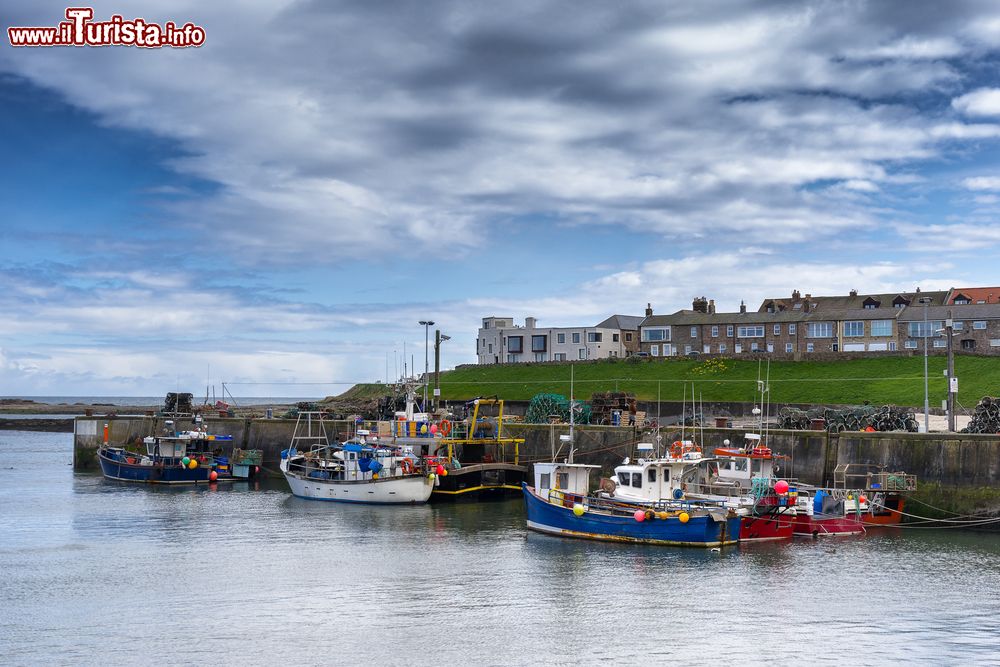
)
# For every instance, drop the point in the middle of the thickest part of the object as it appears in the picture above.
(500, 341)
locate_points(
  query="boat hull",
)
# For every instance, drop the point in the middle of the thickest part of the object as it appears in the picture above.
(888, 515)
(486, 481)
(818, 525)
(158, 473)
(767, 527)
(699, 531)
(406, 490)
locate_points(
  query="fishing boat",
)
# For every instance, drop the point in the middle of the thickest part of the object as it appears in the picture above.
(684, 474)
(481, 462)
(356, 471)
(882, 493)
(172, 457)
(560, 504)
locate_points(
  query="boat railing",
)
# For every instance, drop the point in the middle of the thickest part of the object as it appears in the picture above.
(625, 507)
(872, 477)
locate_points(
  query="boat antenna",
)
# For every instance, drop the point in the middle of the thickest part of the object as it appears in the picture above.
(569, 459)
(659, 438)
(684, 411)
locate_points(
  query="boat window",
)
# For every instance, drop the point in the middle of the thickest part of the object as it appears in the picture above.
(740, 464)
(666, 474)
(544, 481)
(623, 479)
(652, 474)
(637, 480)
(562, 480)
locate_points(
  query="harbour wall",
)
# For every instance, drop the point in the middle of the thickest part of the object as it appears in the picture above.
(960, 470)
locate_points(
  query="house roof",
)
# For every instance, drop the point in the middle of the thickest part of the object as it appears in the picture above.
(975, 311)
(851, 301)
(623, 322)
(692, 317)
(975, 294)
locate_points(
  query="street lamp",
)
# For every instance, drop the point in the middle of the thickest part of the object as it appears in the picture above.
(438, 339)
(427, 324)
(927, 408)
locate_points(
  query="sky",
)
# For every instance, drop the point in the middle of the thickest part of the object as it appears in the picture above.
(285, 203)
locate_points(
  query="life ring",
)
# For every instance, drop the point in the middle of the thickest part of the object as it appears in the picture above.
(444, 427)
(407, 466)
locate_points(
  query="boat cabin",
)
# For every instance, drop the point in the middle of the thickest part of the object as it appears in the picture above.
(573, 478)
(649, 480)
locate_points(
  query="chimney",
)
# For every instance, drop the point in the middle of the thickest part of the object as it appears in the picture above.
(918, 290)
(649, 310)
(711, 306)
(854, 292)
(529, 322)
(796, 294)
(699, 305)
(743, 308)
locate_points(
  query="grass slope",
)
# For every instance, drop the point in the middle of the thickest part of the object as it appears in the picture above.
(892, 380)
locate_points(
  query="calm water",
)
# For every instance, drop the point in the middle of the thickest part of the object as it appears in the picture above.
(95, 572)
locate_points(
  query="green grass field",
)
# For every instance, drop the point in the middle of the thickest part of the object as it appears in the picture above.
(898, 381)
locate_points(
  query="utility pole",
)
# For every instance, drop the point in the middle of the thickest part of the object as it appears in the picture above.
(426, 324)
(927, 408)
(949, 327)
(438, 339)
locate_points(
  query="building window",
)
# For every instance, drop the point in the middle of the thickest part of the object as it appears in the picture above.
(512, 358)
(715, 331)
(980, 324)
(656, 334)
(576, 338)
(854, 329)
(788, 348)
(870, 306)
(561, 338)
(910, 345)
(892, 346)
(738, 348)
(751, 332)
(594, 337)
(707, 349)
(881, 327)
(614, 338)
(538, 343)
(809, 347)
(958, 325)
(628, 337)
(925, 329)
(791, 329)
(687, 349)
(939, 342)
(819, 330)
(560, 356)
(770, 347)
(654, 350)
(694, 332)
(582, 353)
(994, 342)
(962, 302)
(539, 356)
(490, 346)
(722, 348)
(515, 344)
(968, 344)
(753, 346)
(729, 330)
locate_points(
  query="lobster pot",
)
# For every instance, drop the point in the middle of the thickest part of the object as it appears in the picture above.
(402, 429)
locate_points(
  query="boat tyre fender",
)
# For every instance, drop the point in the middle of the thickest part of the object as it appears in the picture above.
(444, 427)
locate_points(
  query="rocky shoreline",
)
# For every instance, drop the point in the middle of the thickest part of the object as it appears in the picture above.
(47, 425)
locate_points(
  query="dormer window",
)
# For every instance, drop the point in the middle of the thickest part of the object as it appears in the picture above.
(900, 302)
(871, 303)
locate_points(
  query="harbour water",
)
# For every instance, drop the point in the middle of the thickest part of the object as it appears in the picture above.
(95, 572)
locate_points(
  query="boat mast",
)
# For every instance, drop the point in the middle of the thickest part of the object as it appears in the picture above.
(569, 459)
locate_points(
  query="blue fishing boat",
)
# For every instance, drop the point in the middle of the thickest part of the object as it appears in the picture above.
(186, 457)
(559, 504)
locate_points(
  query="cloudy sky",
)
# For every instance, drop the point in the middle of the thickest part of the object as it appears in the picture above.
(285, 203)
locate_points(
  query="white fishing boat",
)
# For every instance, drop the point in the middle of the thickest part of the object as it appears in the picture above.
(357, 471)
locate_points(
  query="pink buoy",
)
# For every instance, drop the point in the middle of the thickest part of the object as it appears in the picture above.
(212, 476)
(440, 470)
(640, 516)
(781, 487)
(434, 428)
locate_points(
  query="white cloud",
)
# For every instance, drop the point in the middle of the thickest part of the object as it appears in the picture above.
(982, 102)
(982, 183)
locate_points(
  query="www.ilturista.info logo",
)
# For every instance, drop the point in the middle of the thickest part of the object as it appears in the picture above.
(80, 30)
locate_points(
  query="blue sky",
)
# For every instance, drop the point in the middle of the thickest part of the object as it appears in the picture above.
(285, 203)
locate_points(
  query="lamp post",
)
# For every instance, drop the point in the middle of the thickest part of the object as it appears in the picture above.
(927, 408)
(950, 332)
(427, 324)
(438, 339)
